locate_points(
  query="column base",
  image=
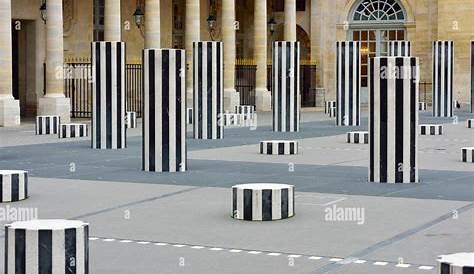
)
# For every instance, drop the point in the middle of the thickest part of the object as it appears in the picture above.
(231, 99)
(55, 106)
(263, 99)
(9, 112)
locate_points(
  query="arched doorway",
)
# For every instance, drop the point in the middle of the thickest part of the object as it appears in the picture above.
(301, 36)
(374, 23)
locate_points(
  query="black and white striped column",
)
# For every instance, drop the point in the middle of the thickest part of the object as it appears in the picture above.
(332, 112)
(328, 105)
(470, 123)
(279, 147)
(286, 99)
(263, 202)
(467, 154)
(458, 263)
(348, 83)
(189, 116)
(358, 137)
(108, 95)
(399, 48)
(131, 119)
(72, 130)
(393, 119)
(431, 129)
(13, 185)
(47, 246)
(443, 56)
(164, 115)
(247, 111)
(47, 124)
(208, 71)
(421, 106)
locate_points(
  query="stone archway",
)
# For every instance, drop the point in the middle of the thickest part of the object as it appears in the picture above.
(301, 36)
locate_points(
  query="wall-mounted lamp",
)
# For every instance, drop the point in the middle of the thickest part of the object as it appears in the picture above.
(43, 11)
(139, 17)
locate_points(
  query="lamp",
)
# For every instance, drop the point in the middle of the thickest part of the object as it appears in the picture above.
(43, 11)
(139, 16)
(271, 25)
(211, 22)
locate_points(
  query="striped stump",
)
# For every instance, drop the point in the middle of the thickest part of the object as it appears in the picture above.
(164, 115)
(472, 76)
(235, 120)
(47, 124)
(328, 105)
(131, 119)
(263, 202)
(468, 154)
(332, 112)
(348, 83)
(443, 56)
(393, 119)
(358, 137)
(247, 111)
(280, 147)
(286, 99)
(399, 48)
(458, 263)
(470, 123)
(13, 185)
(421, 106)
(72, 130)
(208, 90)
(47, 246)
(431, 129)
(189, 116)
(108, 95)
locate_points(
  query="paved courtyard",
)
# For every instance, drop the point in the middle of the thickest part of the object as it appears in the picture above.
(180, 223)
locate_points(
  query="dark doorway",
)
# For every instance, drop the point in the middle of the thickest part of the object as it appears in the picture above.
(15, 63)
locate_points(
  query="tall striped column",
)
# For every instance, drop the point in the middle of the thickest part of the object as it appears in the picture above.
(472, 76)
(399, 48)
(108, 95)
(443, 56)
(348, 83)
(393, 119)
(286, 101)
(208, 74)
(164, 110)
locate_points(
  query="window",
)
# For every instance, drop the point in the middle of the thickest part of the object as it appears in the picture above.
(99, 20)
(379, 10)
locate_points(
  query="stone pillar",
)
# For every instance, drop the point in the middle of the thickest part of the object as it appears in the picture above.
(9, 107)
(152, 24)
(262, 95)
(290, 20)
(231, 97)
(112, 23)
(192, 34)
(54, 102)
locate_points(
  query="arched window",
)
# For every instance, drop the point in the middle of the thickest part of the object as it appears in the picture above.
(378, 10)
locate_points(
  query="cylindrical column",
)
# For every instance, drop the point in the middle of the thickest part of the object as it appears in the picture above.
(164, 115)
(112, 23)
(5, 50)
(286, 86)
(393, 119)
(290, 20)
(228, 37)
(262, 95)
(192, 34)
(152, 24)
(47, 246)
(108, 95)
(443, 56)
(208, 90)
(348, 83)
(399, 48)
(458, 263)
(14, 185)
(54, 50)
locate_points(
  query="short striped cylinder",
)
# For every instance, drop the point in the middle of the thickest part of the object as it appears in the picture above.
(443, 56)
(431, 129)
(286, 97)
(72, 130)
(399, 48)
(472, 76)
(421, 106)
(332, 112)
(263, 202)
(348, 83)
(235, 120)
(470, 123)
(393, 119)
(328, 105)
(358, 137)
(208, 90)
(458, 263)
(279, 147)
(164, 110)
(13, 185)
(131, 119)
(47, 246)
(108, 95)
(247, 111)
(467, 154)
(47, 124)
(189, 116)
